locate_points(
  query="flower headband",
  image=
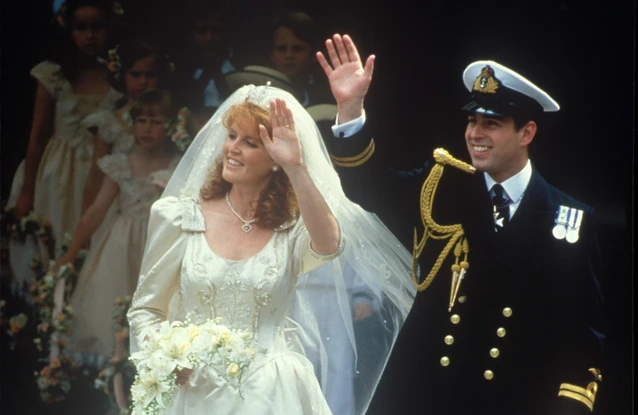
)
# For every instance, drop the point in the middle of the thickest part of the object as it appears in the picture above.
(114, 64)
(116, 9)
(178, 130)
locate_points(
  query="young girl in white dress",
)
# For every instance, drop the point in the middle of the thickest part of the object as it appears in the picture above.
(133, 181)
(136, 65)
(73, 85)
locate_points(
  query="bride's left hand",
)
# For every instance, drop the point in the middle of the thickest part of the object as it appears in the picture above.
(284, 146)
(182, 376)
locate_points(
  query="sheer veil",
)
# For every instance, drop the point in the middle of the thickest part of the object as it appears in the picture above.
(374, 268)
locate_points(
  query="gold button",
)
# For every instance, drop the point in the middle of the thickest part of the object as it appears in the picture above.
(449, 340)
(445, 361)
(488, 374)
(455, 319)
(494, 352)
(500, 332)
(462, 299)
(507, 312)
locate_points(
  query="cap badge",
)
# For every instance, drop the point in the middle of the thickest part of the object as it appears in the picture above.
(486, 82)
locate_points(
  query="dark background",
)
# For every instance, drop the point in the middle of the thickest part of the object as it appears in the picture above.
(581, 54)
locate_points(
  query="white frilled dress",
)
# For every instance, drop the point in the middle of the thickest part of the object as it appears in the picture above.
(113, 265)
(119, 134)
(253, 294)
(65, 163)
(112, 129)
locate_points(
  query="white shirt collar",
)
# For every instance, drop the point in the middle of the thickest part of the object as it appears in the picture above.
(514, 186)
(225, 68)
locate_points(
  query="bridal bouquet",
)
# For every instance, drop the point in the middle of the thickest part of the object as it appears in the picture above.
(186, 346)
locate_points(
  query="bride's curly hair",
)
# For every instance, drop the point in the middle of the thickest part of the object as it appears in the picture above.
(277, 203)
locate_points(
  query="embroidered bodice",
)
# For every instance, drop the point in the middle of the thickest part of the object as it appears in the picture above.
(252, 294)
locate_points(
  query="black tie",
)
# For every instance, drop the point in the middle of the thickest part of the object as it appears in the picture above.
(501, 207)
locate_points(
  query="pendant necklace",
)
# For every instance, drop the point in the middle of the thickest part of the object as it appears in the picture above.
(246, 223)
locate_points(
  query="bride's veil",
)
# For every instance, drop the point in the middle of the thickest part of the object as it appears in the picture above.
(373, 272)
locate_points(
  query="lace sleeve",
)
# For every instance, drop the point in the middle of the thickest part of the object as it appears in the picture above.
(49, 75)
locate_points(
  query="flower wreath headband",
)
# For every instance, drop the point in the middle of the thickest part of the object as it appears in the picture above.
(116, 9)
(176, 127)
(114, 64)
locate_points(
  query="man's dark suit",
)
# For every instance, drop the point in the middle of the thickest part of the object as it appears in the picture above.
(549, 284)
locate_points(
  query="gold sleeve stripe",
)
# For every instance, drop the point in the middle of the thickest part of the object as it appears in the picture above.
(584, 395)
(357, 160)
(577, 397)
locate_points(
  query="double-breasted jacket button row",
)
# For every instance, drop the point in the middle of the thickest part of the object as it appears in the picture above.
(494, 351)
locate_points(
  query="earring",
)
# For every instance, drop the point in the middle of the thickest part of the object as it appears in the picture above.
(275, 168)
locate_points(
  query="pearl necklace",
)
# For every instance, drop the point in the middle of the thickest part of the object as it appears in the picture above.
(246, 223)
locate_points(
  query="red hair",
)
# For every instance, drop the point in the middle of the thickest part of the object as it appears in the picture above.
(277, 202)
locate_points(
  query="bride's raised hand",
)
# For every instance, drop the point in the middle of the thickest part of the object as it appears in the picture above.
(284, 146)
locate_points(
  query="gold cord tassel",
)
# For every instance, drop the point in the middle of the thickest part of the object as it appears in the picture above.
(433, 230)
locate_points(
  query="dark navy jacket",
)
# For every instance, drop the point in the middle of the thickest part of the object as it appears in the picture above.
(553, 336)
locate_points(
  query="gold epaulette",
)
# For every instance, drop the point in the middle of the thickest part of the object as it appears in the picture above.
(586, 395)
(454, 233)
(357, 160)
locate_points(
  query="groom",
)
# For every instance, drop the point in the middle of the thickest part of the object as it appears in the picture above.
(521, 335)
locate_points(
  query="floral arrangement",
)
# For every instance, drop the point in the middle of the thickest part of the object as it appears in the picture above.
(116, 378)
(177, 346)
(17, 323)
(54, 380)
(113, 62)
(52, 321)
(117, 391)
(179, 130)
(42, 292)
(31, 224)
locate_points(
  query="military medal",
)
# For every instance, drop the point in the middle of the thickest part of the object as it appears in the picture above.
(575, 219)
(560, 230)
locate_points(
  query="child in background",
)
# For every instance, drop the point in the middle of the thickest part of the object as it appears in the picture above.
(203, 55)
(295, 38)
(72, 85)
(136, 65)
(111, 270)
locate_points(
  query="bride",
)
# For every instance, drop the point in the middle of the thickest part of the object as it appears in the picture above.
(254, 229)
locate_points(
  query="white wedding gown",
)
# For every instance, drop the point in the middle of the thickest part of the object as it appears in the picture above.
(254, 294)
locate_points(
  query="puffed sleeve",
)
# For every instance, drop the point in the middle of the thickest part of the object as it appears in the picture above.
(110, 129)
(50, 76)
(103, 121)
(169, 226)
(304, 258)
(115, 167)
(160, 178)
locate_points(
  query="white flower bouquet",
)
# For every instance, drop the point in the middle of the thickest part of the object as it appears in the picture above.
(186, 346)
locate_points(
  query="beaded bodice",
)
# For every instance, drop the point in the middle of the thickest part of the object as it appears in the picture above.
(252, 294)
